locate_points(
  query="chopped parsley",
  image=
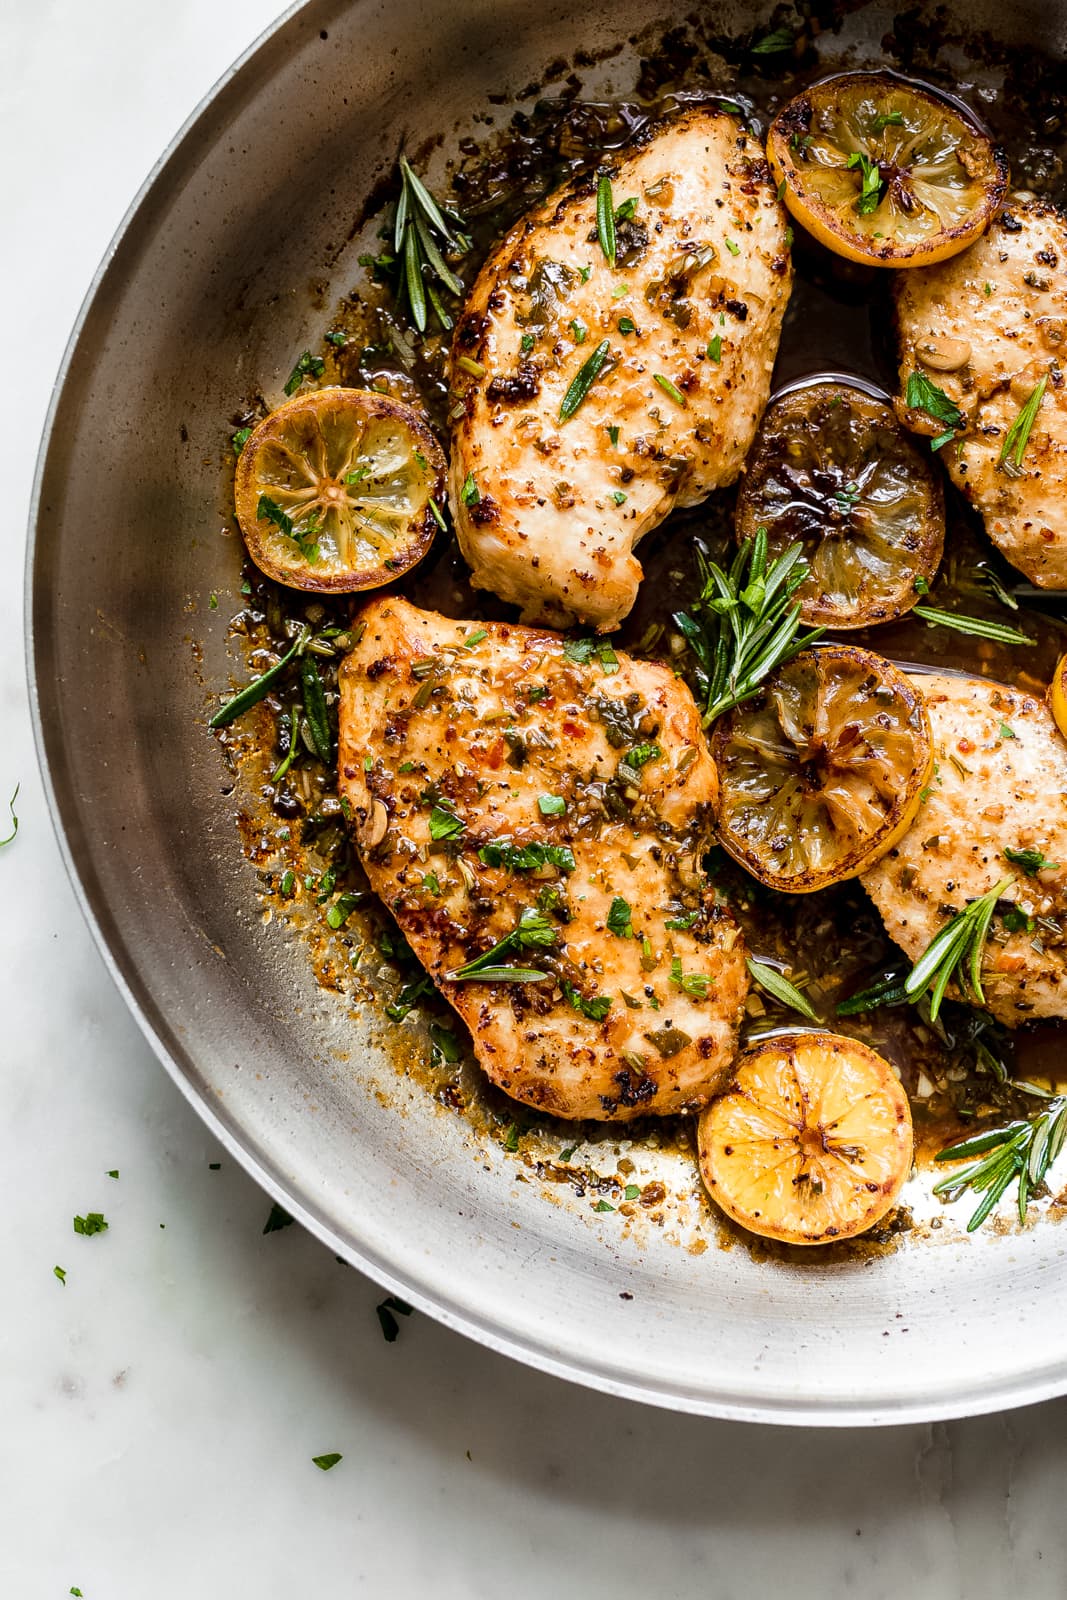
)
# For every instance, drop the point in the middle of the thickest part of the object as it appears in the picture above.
(308, 366)
(445, 1044)
(305, 538)
(683, 923)
(627, 325)
(619, 497)
(470, 494)
(511, 1139)
(631, 1192)
(474, 638)
(61, 1274)
(922, 395)
(551, 805)
(715, 349)
(92, 1223)
(625, 211)
(240, 439)
(432, 882)
(114, 1172)
(775, 43)
(1016, 921)
(579, 331)
(887, 119)
(1032, 861)
(445, 824)
(342, 909)
(324, 1463)
(734, 249)
(336, 338)
(528, 341)
(595, 1007)
(1006, 732)
(871, 185)
(620, 918)
(526, 857)
(613, 432)
(602, 1205)
(408, 998)
(693, 984)
(14, 818)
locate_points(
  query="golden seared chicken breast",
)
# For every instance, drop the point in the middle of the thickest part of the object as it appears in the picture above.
(533, 813)
(996, 808)
(615, 356)
(988, 328)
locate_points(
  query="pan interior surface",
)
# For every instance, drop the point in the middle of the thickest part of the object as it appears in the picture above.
(230, 263)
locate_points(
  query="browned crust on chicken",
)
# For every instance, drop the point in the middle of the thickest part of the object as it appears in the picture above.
(1000, 782)
(696, 299)
(495, 732)
(987, 327)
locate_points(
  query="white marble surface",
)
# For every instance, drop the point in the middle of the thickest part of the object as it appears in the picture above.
(158, 1414)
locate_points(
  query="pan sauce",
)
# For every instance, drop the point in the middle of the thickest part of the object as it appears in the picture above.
(838, 320)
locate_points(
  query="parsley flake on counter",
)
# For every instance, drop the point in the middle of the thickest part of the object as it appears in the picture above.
(114, 1172)
(61, 1274)
(324, 1463)
(92, 1223)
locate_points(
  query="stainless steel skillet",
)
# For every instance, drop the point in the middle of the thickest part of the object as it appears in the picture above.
(194, 306)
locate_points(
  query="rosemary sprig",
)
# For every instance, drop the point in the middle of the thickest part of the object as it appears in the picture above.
(1018, 435)
(533, 929)
(1021, 1151)
(420, 234)
(977, 627)
(745, 622)
(956, 953)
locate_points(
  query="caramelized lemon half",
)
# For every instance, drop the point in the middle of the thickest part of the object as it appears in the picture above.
(823, 771)
(335, 490)
(832, 467)
(885, 171)
(811, 1142)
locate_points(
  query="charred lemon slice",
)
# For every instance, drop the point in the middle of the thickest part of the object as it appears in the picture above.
(1057, 695)
(335, 491)
(823, 771)
(832, 467)
(811, 1142)
(885, 171)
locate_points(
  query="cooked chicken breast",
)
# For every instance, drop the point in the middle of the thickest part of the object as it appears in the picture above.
(547, 510)
(986, 327)
(510, 792)
(1000, 783)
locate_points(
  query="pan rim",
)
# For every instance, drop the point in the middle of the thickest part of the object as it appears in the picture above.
(495, 1333)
